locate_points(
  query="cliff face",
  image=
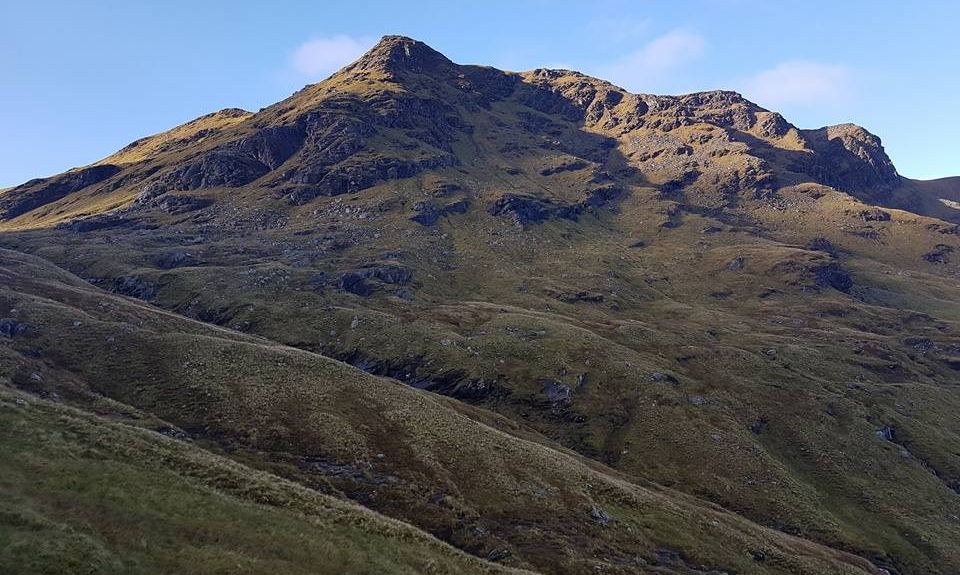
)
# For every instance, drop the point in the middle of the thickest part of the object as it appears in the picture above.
(594, 322)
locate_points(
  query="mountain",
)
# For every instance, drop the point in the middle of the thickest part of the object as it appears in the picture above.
(555, 325)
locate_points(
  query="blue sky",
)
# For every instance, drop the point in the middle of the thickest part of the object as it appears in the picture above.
(82, 79)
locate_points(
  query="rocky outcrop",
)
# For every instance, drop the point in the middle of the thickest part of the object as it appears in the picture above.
(134, 286)
(564, 167)
(237, 163)
(525, 209)
(334, 158)
(11, 327)
(852, 160)
(97, 222)
(219, 168)
(428, 213)
(939, 255)
(834, 276)
(156, 196)
(36, 193)
(352, 177)
(272, 146)
(364, 281)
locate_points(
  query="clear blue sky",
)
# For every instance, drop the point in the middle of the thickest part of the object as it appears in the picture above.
(82, 79)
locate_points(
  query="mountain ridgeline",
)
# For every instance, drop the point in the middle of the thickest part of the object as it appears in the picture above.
(456, 319)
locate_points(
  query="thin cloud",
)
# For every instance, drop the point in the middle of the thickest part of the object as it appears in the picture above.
(654, 64)
(800, 83)
(320, 57)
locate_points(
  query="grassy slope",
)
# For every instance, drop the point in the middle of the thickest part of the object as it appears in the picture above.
(85, 495)
(423, 458)
(928, 196)
(185, 135)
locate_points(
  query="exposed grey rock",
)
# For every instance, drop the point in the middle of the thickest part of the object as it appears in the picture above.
(886, 433)
(458, 207)
(498, 554)
(429, 213)
(667, 556)
(758, 426)
(832, 275)
(355, 283)
(11, 327)
(446, 189)
(358, 281)
(556, 392)
(156, 195)
(346, 178)
(939, 254)
(218, 168)
(98, 222)
(874, 215)
(564, 167)
(523, 209)
(134, 286)
(852, 160)
(661, 377)
(822, 245)
(174, 433)
(582, 296)
(272, 146)
(920, 344)
(600, 516)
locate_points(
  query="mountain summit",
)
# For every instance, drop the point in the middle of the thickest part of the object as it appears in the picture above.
(400, 54)
(555, 325)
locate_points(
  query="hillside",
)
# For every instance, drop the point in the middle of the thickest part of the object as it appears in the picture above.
(84, 495)
(167, 398)
(632, 315)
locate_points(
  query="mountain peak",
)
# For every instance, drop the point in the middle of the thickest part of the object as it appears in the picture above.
(402, 54)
